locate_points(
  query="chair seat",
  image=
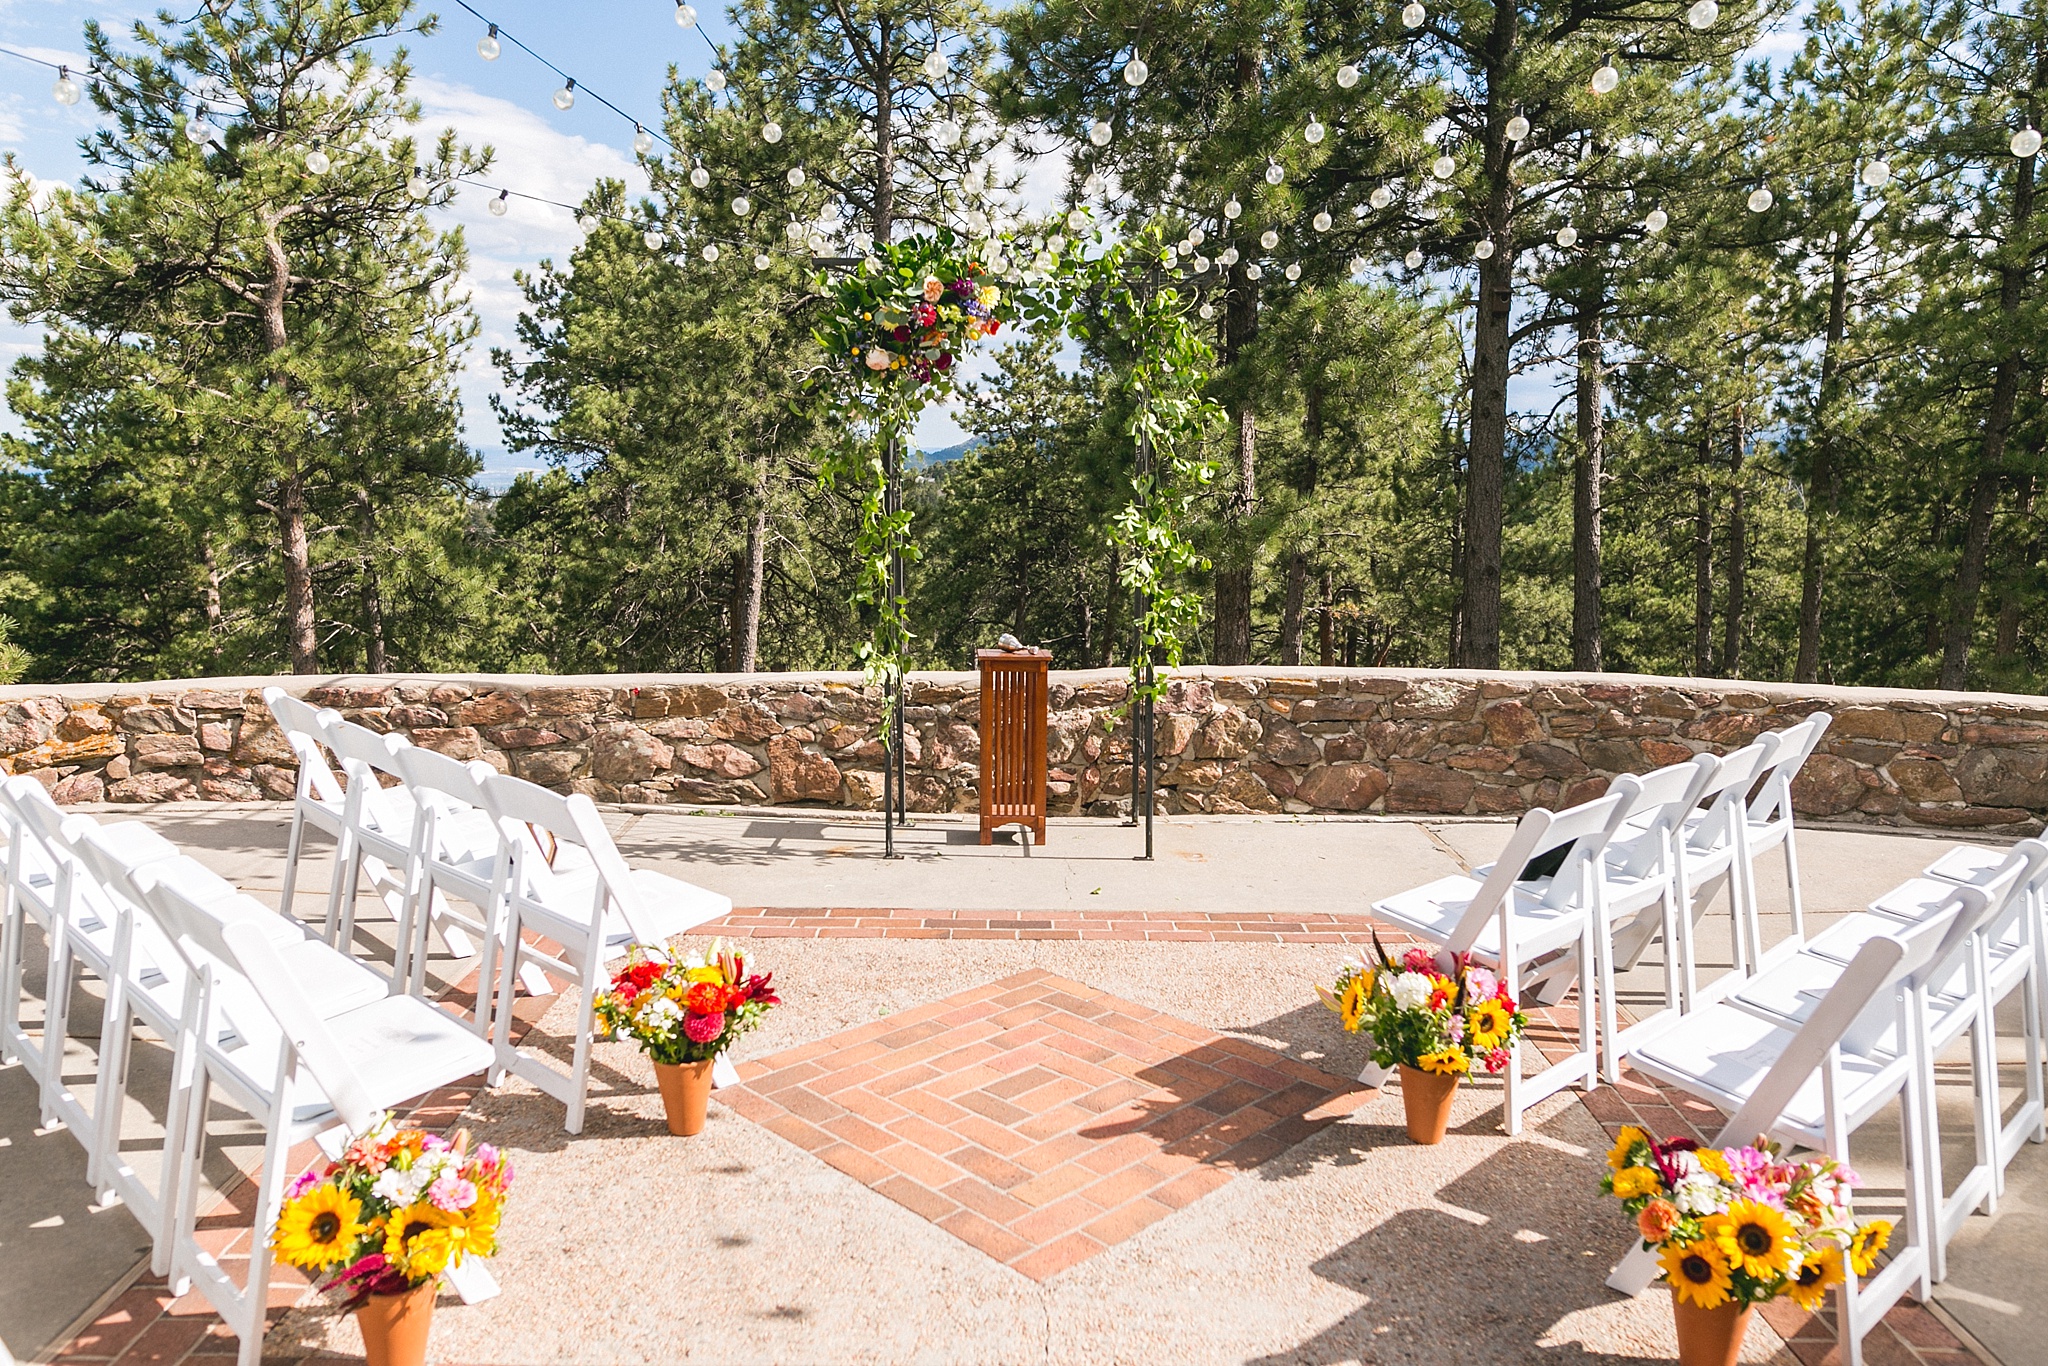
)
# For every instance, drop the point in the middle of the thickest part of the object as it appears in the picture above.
(1794, 987)
(559, 907)
(1971, 865)
(1721, 1054)
(1433, 910)
(1914, 899)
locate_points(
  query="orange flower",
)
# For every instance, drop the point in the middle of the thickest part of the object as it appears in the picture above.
(1657, 1220)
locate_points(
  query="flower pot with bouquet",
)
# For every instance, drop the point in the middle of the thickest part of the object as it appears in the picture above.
(1433, 1015)
(380, 1226)
(1737, 1227)
(684, 1012)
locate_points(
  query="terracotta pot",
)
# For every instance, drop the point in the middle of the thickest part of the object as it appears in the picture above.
(685, 1092)
(1427, 1096)
(395, 1327)
(1710, 1337)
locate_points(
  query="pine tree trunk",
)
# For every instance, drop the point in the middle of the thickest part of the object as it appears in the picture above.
(1326, 629)
(1586, 636)
(371, 590)
(746, 626)
(1702, 568)
(1738, 552)
(302, 640)
(885, 134)
(1234, 574)
(212, 597)
(1290, 608)
(1823, 492)
(2005, 389)
(2011, 603)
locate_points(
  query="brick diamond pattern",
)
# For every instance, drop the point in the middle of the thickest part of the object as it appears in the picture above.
(1038, 1119)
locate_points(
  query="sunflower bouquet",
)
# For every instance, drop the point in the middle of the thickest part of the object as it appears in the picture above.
(399, 1208)
(1435, 1014)
(687, 1009)
(1742, 1225)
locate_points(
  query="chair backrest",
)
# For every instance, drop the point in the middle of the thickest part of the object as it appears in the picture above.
(1796, 744)
(293, 716)
(1586, 828)
(356, 744)
(1667, 796)
(523, 809)
(1727, 792)
(430, 771)
(270, 978)
(305, 731)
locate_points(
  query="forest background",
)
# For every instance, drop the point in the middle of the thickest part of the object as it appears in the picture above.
(1605, 334)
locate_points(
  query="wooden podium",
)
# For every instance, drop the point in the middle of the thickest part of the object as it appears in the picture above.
(1013, 709)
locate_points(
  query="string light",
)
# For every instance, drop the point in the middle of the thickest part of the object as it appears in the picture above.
(935, 64)
(710, 253)
(1483, 248)
(686, 16)
(1347, 75)
(1100, 133)
(1232, 209)
(1517, 129)
(1254, 271)
(1413, 260)
(1703, 14)
(1567, 236)
(771, 132)
(65, 91)
(1877, 174)
(1269, 239)
(1274, 174)
(1656, 221)
(699, 177)
(741, 206)
(2026, 142)
(500, 204)
(566, 96)
(1321, 222)
(197, 131)
(1380, 197)
(1293, 270)
(1228, 256)
(643, 141)
(760, 260)
(1760, 199)
(796, 177)
(418, 186)
(1315, 131)
(1413, 14)
(1358, 264)
(714, 80)
(1206, 311)
(1606, 78)
(487, 47)
(317, 161)
(1135, 71)
(1444, 167)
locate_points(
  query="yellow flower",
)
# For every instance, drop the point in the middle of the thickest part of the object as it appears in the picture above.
(417, 1240)
(1870, 1240)
(1631, 1182)
(1448, 1062)
(1353, 1004)
(1618, 1156)
(1715, 1162)
(989, 296)
(1697, 1273)
(319, 1228)
(1490, 1023)
(1754, 1237)
(704, 974)
(1817, 1275)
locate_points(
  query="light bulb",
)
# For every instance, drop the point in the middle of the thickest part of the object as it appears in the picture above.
(1703, 14)
(771, 132)
(1254, 271)
(1567, 235)
(935, 64)
(1483, 248)
(760, 260)
(1877, 174)
(1413, 260)
(198, 130)
(829, 215)
(1197, 236)
(566, 96)
(1185, 246)
(699, 177)
(487, 46)
(1412, 14)
(1606, 78)
(1294, 270)
(652, 239)
(795, 231)
(1444, 167)
(419, 187)
(1347, 75)
(1760, 199)
(742, 206)
(1201, 264)
(500, 204)
(1229, 256)
(710, 252)
(796, 177)
(1517, 129)
(1100, 133)
(317, 162)
(65, 91)
(1093, 184)
(2026, 142)
(1233, 208)
(1170, 259)
(643, 141)
(1314, 133)
(946, 133)
(1321, 222)
(714, 80)
(1656, 221)
(1269, 239)
(1274, 175)
(1206, 312)
(584, 221)
(1357, 265)
(686, 16)
(1380, 197)
(1135, 71)
(1056, 244)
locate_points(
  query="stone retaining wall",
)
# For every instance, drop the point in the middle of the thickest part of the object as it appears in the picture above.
(1230, 740)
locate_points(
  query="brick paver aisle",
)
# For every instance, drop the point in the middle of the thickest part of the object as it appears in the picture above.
(1038, 1119)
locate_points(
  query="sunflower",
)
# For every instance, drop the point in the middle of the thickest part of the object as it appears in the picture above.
(1490, 1023)
(416, 1239)
(1445, 1062)
(1352, 1007)
(1625, 1144)
(1698, 1273)
(1870, 1240)
(319, 1228)
(1631, 1182)
(1816, 1276)
(1754, 1237)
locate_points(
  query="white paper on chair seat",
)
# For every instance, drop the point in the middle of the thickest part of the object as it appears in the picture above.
(472, 1280)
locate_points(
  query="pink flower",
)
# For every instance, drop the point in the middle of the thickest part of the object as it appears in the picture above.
(1419, 959)
(934, 289)
(306, 1181)
(1497, 1060)
(451, 1193)
(1481, 984)
(703, 1028)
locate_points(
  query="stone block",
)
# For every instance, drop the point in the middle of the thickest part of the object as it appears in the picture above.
(352, 696)
(750, 722)
(1342, 787)
(212, 699)
(1241, 793)
(278, 784)
(157, 720)
(1284, 744)
(627, 754)
(216, 735)
(2003, 777)
(1827, 786)
(1615, 756)
(153, 787)
(79, 787)
(414, 717)
(1924, 780)
(165, 751)
(261, 742)
(720, 760)
(1868, 723)
(797, 775)
(547, 767)
(568, 701)
(1439, 699)
(1426, 789)
(1510, 723)
(1279, 781)
(1226, 735)
(83, 724)
(1548, 761)
(457, 742)
(1970, 817)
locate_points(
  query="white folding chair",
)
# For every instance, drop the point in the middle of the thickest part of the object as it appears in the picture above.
(1813, 1085)
(1711, 848)
(1971, 865)
(1768, 821)
(594, 910)
(1516, 926)
(317, 799)
(293, 1072)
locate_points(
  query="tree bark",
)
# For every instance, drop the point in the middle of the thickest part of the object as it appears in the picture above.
(1703, 567)
(746, 624)
(302, 641)
(1234, 575)
(1290, 607)
(1586, 635)
(2005, 389)
(1326, 629)
(1738, 552)
(885, 133)
(370, 589)
(2012, 603)
(1823, 491)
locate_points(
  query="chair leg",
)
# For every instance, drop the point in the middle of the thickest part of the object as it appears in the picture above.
(341, 895)
(292, 845)
(10, 978)
(501, 1030)
(1591, 1002)
(1511, 1075)
(1610, 1024)
(109, 1091)
(1792, 893)
(269, 1196)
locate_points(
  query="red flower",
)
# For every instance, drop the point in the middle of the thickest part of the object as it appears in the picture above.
(1419, 959)
(993, 324)
(1497, 1060)
(925, 315)
(759, 990)
(703, 1028)
(706, 998)
(945, 360)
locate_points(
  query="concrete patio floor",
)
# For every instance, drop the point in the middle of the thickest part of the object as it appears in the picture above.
(754, 1249)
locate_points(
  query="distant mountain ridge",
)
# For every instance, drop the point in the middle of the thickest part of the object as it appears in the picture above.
(925, 459)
